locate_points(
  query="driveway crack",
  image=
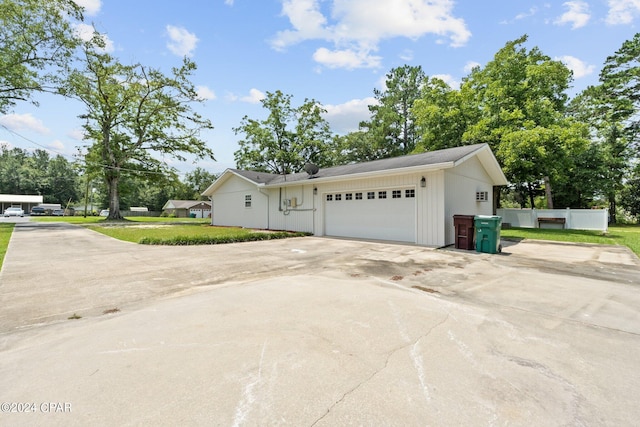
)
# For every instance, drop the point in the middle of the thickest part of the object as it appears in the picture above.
(390, 354)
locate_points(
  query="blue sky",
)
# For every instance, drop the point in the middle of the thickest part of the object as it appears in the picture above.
(334, 51)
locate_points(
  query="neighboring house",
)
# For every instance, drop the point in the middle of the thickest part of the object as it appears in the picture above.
(407, 199)
(187, 208)
(26, 202)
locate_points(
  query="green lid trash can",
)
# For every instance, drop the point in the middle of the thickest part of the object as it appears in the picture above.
(488, 233)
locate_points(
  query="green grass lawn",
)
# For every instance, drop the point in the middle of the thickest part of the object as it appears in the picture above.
(628, 235)
(135, 232)
(5, 235)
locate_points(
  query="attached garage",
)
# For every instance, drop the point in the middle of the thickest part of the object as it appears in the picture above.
(378, 213)
(404, 199)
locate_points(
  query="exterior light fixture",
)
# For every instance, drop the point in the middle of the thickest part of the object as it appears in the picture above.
(423, 182)
(315, 190)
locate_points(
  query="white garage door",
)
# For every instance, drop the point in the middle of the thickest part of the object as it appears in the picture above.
(374, 214)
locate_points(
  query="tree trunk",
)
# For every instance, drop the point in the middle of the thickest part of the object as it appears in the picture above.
(531, 195)
(612, 209)
(547, 191)
(114, 198)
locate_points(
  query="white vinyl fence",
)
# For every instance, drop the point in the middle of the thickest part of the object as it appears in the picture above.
(578, 219)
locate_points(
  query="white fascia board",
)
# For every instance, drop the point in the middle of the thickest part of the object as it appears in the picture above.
(363, 175)
(489, 162)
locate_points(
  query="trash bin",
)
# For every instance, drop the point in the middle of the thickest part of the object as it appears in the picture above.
(192, 215)
(488, 233)
(464, 229)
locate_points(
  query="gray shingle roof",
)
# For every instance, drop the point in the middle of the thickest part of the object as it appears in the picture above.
(449, 155)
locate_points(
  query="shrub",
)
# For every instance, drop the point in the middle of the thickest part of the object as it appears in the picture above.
(216, 240)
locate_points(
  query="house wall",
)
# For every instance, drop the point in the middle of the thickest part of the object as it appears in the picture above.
(461, 184)
(229, 205)
(284, 216)
(429, 228)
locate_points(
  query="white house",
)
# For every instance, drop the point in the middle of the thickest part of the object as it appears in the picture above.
(406, 199)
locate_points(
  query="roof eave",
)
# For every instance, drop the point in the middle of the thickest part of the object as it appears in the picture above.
(364, 175)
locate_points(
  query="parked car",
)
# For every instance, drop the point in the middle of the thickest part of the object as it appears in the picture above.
(38, 210)
(57, 212)
(13, 212)
(104, 212)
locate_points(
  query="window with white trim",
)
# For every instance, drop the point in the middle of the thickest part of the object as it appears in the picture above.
(338, 196)
(396, 194)
(371, 195)
(348, 196)
(382, 194)
(410, 193)
(329, 197)
(482, 196)
(247, 201)
(358, 196)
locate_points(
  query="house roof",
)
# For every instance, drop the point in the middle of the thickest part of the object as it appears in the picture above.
(183, 204)
(20, 198)
(440, 159)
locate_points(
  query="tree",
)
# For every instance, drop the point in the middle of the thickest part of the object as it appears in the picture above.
(287, 139)
(392, 123)
(36, 42)
(521, 100)
(197, 181)
(620, 91)
(134, 114)
(443, 115)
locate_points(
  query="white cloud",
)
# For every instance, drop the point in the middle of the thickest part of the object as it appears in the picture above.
(577, 14)
(345, 118)
(579, 68)
(56, 146)
(355, 28)
(406, 55)
(91, 7)
(77, 134)
(527, 14)
(86, 32)
(205, 93)
(622, 11)
(182, 42)
(254, 97)
(470, 65)
(448, 79)
(23, 122)
(347, 58)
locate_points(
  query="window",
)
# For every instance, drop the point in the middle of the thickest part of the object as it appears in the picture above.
(329, 197)
(247, 201)
(396, 194)
(358, 196)
(410, 193)
(482, 196)
(338, 196)
(382, 194)
(371, 195)
(348, 196)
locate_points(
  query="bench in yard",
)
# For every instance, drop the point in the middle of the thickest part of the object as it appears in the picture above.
(561, 221)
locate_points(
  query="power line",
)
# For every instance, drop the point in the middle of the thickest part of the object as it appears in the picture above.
(83, 160)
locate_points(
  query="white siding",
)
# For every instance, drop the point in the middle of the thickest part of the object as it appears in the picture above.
(289, 217)
(431, 208)
(461, 185)
(229, 205)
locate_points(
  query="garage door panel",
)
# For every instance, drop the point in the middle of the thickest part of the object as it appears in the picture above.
(378, 218)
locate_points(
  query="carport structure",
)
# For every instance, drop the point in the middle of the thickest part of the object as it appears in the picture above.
(24, 201)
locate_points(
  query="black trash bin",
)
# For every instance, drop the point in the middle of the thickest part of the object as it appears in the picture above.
(464, 229)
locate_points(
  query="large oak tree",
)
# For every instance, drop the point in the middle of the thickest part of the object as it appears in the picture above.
(135, 116)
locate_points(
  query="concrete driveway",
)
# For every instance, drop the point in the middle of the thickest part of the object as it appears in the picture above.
(315, 331)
